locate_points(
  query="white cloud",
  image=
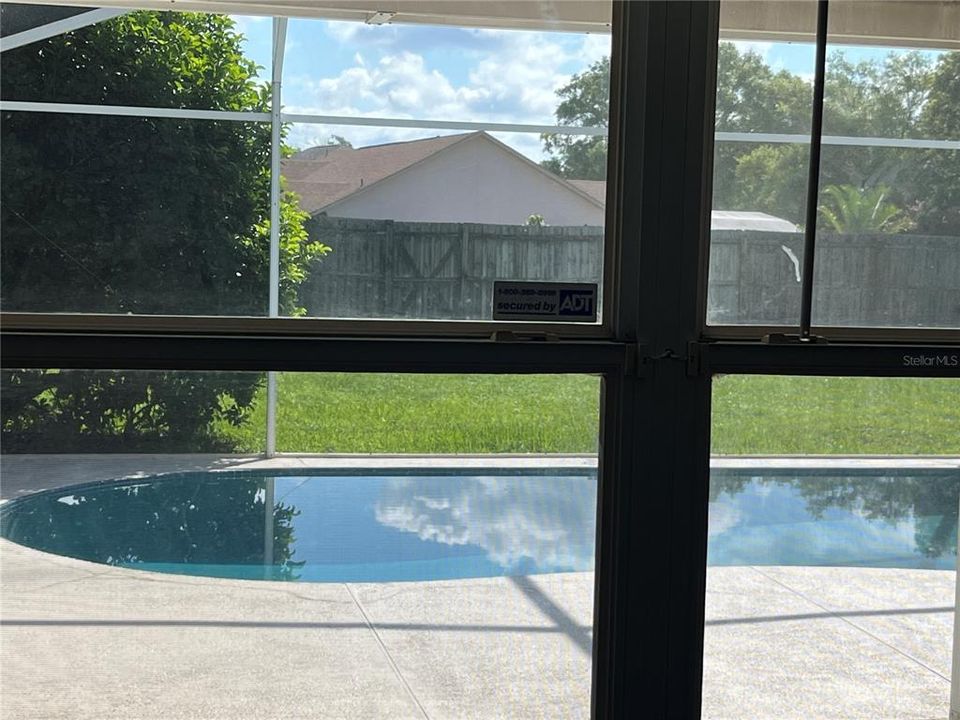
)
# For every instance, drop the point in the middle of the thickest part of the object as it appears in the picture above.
(722, 517)
(550, 520)
(510, 77)
(594, 48)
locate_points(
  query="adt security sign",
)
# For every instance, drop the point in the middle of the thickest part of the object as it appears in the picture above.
(557, 302)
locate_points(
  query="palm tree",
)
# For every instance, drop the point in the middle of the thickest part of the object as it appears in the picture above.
(851, 210)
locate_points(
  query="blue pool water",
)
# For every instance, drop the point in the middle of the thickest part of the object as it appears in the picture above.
(370, 527)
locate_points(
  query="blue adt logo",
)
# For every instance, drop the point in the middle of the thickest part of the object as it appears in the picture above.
(576, 303)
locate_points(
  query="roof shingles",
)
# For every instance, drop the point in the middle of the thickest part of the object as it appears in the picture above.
(323, 175)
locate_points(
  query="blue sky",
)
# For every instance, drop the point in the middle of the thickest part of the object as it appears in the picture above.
(409, 71)
(443, 73)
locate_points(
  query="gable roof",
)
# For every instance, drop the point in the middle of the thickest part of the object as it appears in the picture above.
(325, 175)
(597, 189)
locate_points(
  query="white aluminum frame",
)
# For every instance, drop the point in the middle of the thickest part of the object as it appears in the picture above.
(58, 27)
(279, 44)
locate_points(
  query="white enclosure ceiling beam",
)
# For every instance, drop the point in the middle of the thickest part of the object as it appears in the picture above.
(42, 32)
(906, 23)
(897, 23)
(559, 15)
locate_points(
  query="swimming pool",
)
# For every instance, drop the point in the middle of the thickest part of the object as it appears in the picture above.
(379, 526)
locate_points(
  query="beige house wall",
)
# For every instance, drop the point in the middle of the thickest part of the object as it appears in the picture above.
(475, 181)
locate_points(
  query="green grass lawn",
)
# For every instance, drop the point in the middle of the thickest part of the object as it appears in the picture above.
(351, 413)
(771, 415)
(344, 412)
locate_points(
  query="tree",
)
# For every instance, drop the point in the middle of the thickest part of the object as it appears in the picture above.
(849, 209)
(938, 178)
(875, 98)
(584, 102)
(903, 95)
(138, 215)
(339, 141)
(751, 97)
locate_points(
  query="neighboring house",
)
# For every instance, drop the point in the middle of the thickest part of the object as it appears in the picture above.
(466, 178)
(469, 178)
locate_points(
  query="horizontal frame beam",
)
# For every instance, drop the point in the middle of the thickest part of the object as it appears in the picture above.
(850, 140)
(862, 360)
(352, 121)
(263, 326)
(133, 111)
(836, 334)
(286, 354)
(441, 124)
(264, 117)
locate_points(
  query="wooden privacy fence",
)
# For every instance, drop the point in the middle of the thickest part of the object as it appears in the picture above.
(859, 280)
(386, 269)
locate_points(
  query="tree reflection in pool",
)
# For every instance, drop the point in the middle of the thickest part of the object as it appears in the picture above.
(868, 517)
(367, 527)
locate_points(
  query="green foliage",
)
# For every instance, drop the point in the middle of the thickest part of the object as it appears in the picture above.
(905, 94)
(339, 141)
(752, 97)
(584, 101)
(106, 214)
(893, 97)
(536, 220)
(760, 184)
(853, 210)
(938, 177)
(90, 411)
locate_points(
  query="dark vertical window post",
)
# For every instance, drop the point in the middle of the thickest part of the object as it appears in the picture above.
(813, 176)
(652, 559)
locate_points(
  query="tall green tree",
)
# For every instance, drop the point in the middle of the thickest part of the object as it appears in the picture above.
(876, 98)
(938, 178)
(751, 97)
(584, 102)
(107, 214)
(906, 94)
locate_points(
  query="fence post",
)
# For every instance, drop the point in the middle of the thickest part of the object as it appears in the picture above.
(387, 262)
(464, 241)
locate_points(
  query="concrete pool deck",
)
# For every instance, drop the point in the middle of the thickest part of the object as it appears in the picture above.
(81, 640)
